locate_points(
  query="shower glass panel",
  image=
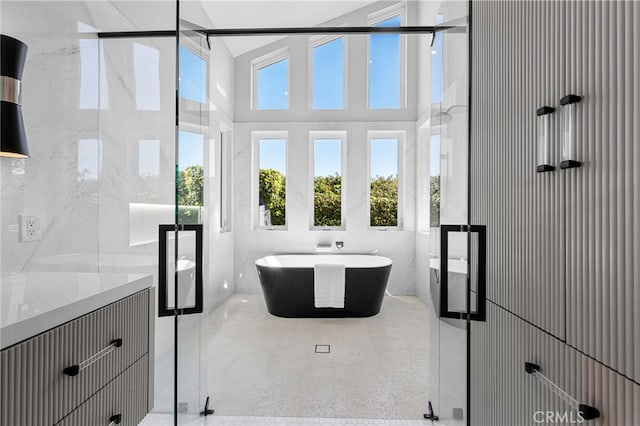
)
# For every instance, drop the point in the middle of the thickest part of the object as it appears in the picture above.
(192, 188)
(447, 203)
(197, 129)
(136, 194)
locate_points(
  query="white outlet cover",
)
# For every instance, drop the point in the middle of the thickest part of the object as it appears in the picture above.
(29, 228)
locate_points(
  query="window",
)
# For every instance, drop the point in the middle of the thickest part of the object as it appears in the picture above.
(193, 76)
(270, 193)
(385, 178)
(190, 185)
(327, 179)
(328, 74)
(271, 82)
(386, 64)
(437, 69)
(224, 169)
(434, 181)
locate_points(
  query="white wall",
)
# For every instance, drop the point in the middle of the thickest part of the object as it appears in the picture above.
(48, 185)
(355, 119)
(220, 259)
(356, 83)
(122, 128)
(252, 244)
(453, 139)
(86, 223)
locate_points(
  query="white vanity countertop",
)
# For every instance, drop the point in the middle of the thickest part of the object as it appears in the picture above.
(35, 302)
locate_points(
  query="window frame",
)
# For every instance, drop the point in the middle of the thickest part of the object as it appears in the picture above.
(372, 20)
(264, 61)
(225, 178)
(256, 137)
(318, 41)
(400, 135)
(328, 134)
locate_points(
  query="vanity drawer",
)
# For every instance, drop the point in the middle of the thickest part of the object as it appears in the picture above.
(126, 398)
(35, 391)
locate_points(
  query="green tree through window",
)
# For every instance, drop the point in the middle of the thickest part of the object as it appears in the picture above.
(434, 213)
(327, 204)
(190, 194)
(384, 201)
(384, 167)
(272, 190)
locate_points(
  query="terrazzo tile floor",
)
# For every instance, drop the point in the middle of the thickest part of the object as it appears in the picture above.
(264, 370)
(268, 366)
(167, 420)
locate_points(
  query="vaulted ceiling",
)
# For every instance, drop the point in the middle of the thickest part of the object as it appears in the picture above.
(271, 14)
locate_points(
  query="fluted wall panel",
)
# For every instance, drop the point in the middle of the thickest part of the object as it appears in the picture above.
(563, 248)
(603, 212)
(34, 389)
(514, 69)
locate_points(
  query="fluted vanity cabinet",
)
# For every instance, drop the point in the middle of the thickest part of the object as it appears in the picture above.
(124, 399)
(91, 370)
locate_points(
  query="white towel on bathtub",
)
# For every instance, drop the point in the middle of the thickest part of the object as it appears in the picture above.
(328, 285)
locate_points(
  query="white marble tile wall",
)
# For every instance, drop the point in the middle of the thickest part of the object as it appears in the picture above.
(252, 244)
(50, 185)
(125, 162)
(86, 169)
(298, 120)
(81, 188)
(60, 182)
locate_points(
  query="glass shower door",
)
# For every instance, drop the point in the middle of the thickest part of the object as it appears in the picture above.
(457, 269)
(186, 239)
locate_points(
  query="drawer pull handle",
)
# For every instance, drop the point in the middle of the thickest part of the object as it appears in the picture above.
(115, 419)
(74, 370)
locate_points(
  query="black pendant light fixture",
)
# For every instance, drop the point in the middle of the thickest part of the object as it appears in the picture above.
(13, 139)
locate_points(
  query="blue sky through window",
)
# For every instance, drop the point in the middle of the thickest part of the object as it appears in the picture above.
(273, 154)
(193, 76)
(437, 65)
(434, 155)
(384, 67)
(272, 86)
(327, 157)
(384, 158)
(190, 150)
(328, 75)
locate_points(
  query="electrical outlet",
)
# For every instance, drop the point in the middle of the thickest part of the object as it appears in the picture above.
(29, 228)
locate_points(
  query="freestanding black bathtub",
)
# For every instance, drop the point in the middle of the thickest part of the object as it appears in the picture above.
(287, 284)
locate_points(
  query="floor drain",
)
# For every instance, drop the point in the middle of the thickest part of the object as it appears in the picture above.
(323, 349)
